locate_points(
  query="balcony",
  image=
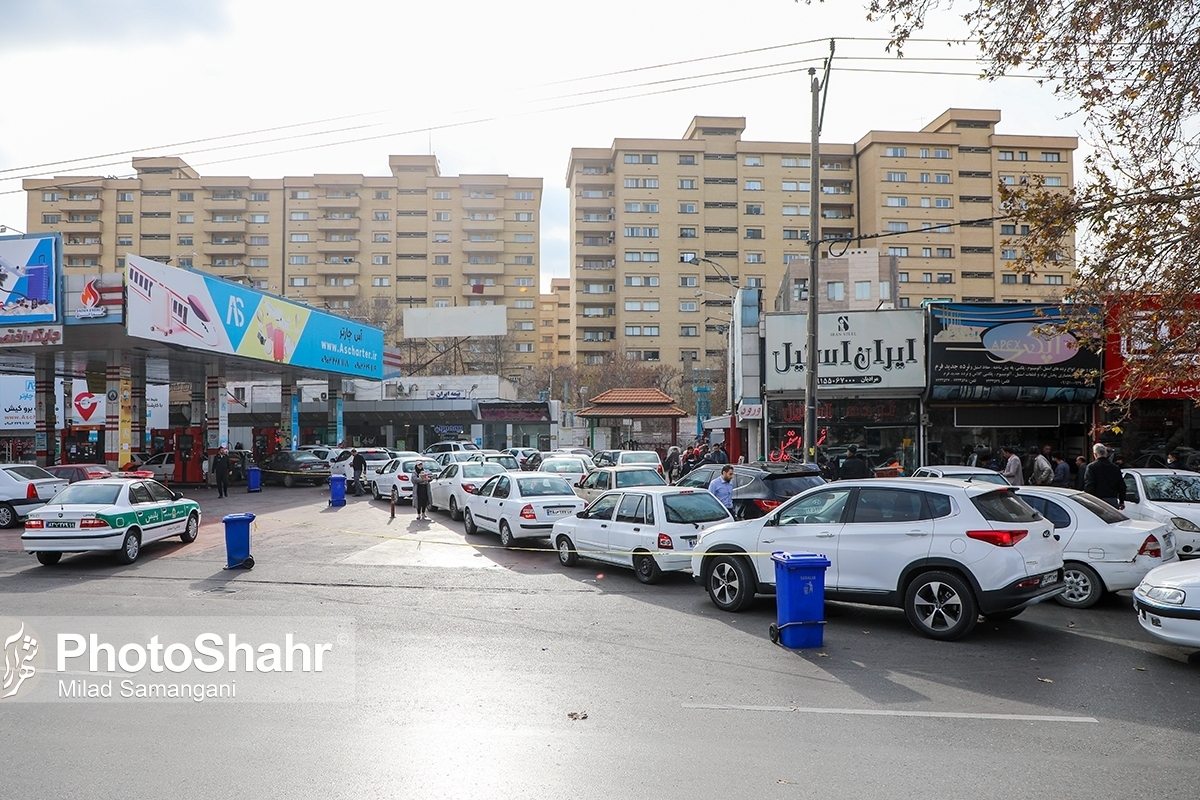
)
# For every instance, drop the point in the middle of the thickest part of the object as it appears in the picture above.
(483, 203)
(326, 268)
(224, 248)
(338, 291)
(484, 269)
(225, 227)
(82, 205)
(470, 290)
(349, 248)
(353, 203)
(223, 205)
(327, 224)
(491, 248)
(81, 248)
(483, 225)
(91, 226)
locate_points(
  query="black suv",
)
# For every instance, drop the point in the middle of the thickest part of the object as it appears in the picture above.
(758, 487)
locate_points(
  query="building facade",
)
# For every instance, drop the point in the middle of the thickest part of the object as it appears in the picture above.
(554, 324)
(663, 228)
(360, 246)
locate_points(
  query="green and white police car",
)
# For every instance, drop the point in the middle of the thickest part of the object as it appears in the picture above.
(118, 514)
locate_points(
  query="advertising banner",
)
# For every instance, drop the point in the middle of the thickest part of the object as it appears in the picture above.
(1146, 325)
(29, 280)
(1007, 352)
(859, 351)
(19, 413)
(93, 299)
(191, 309)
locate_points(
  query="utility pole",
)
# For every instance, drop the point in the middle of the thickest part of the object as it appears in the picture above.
(814, 252)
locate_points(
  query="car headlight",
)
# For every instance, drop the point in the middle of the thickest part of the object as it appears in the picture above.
(1162, 594)
(1185, 525)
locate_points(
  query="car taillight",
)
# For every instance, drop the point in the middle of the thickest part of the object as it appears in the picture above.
(665, 543)
(34, 524)
(92, 522)
(999, 538)
(659, 468)
(403, 477)
(768, 505)
(1151, 547)
(31, 492)
(527, 512)
(469, 488)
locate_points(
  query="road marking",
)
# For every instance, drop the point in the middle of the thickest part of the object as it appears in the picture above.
(867, 712)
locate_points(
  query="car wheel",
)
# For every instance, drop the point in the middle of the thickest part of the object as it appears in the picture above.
(375, 491)
(454, 512)
(1001, 616)
(646, 569)
(289, 481)
(506, 536)
(940, 605)
(469, 525)
(1084, 587)
(48, 559)
(193, 527)
(566, 552)
(131, 548)
(730, 582)
(8, 516)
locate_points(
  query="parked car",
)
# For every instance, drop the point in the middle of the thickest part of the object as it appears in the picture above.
(289, 467)
(760, 487)
(1103, 550)
(651, 529)
(571, 468)
(1190, 460)
(449, 446)
(1168, 603)
(394, 479)
(239, 462)
(162, 465)
(455, 456)
(519, 505)
(944, 551)
(80, 472)
(958, 473)
(1167, 495)
(375, 457)
(619, 458)
(452, 485)
(506, 460)
(606, 478)
(117, 514)
(24, 488)
(522, 454)
(403, 453)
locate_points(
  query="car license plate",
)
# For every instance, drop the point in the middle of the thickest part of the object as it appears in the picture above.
(1049, 578)
(691, 543)
(60, 524)
(1169, 540)
(558, 512)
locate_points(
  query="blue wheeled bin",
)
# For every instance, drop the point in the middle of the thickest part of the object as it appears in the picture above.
(799, 599)
(337, 490)
(237, 541)
(253, 479)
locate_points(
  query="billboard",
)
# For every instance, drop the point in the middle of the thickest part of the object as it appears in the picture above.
(191, 309)
(858, 352)
(1146, 323)
(92, 299)
(458, 322)
(1007, 352)
(29, 269)
(18, 397)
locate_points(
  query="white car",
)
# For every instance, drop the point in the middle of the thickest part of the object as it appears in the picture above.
(1168, 603)
(651, 529)
(1103, 550)
(572, 469)
(450, 446)
(1167, 495)
(945, 551)
(375, 457)
(968, 474)
(23, 488)
(519, 504)
(506, 460)
(450, 488)
(162, 465)
(620, 458)
(394, 479)
(454, 456)
(606, 478)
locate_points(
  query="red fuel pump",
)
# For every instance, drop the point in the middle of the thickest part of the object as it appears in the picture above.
(265, 442)
(189, 454)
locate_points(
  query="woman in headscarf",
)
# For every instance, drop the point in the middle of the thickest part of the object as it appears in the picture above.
(421, 480)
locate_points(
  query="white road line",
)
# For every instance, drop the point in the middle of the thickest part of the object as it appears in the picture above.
(867, 712)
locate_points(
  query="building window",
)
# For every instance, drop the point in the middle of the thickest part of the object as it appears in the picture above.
(124, 219)
(649, 233)
(926, 252)
(259, 241)
(945, 277)
(441, 216)
(1053, 180)
(754, 283)
(259, 219)
(897, 202)
(54, 219)
(186, 241)
(127, 241)
(298, 237)
(687, 159)
(687, 306)
(754, 233)
(523, 282)
(837, 290)
(1051, 157)
(897, 227)
(641, 280)
(902, 252)
(381, 238)
(689, 330)
(633, 330)
(902, 277)
(753, 186)
(791, 161)
(687, 208)
(753, 161)
(1008, 278)
(1008, 254)
(926, 277)
(127, 197)
(524, 216)
(941, 202)
(297, 259)
(885, 290)
(895, 152)
(523, 325)
(380, 260)
(522, 195)
(755, 258)
(298, 216)
(522, 304)
(688, 281)
(258, 261)
(687, 233)
(184, 263)
(897, 177)
(945, 252)
(1022, 155)
(441, 259)
(187, 219)
(941, 152)
(791, 233)
(941, 177)
(862, 290)
(641, 208)
(799, 289)
(297, 281)
(1054, 280)
(644, 158)
(754, 209)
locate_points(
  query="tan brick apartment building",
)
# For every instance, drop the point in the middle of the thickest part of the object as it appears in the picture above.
(362, 245)
(555, 323)
(642, 208)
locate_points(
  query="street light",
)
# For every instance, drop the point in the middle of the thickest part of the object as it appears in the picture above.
(6, 228)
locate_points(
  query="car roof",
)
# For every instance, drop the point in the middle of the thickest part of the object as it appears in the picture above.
(119, 481)
(628, 468)
(660, 489)
(1157, 471)
(962, 469)
(971, 487)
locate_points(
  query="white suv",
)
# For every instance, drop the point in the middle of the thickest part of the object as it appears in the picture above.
(945, 551)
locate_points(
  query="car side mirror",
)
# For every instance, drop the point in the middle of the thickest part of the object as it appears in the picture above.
(583, 515)
(176, 495)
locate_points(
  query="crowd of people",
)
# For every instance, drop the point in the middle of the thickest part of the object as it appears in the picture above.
(680, 462)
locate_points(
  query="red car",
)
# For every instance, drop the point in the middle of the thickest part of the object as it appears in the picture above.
(80, 472)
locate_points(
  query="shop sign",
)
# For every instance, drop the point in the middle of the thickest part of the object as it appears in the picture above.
(445, 394)
(30, 336)
(1147, 327)
(1007, 352)
(19, 403)
(876, 351)
(514, 412)
(747, 411)
(92, 299)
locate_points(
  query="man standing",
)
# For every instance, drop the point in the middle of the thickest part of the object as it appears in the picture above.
(220, 469)
(719, 456)
(1062, 471)
(1080, 469)
(359, 465)
(855, 466)
(1103, 479)
(1012, 466)
(722, 487)
(1041, 473)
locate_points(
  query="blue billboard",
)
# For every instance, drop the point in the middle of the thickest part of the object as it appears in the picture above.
(29, 270)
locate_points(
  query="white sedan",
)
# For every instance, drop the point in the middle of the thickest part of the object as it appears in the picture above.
(450, 488)
(394, 479)
(1168, 603)
(1103, 550)
(520, 504)
(1167, 495)
(572, 469)
(23, 488)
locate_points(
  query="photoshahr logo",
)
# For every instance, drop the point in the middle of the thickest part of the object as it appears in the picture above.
(85, 404)
(89, 303)
(20, 651)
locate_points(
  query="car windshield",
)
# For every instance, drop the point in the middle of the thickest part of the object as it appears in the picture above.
(481, 470)
(1173, 488)
(639, 458)
(428, 465)
(507, 461)
(639, 477)
(29, 473)
(89, 494)
(381, 456)
(1100, 508)
(568, 465)
(693, 507)
(1005, 506)
(541, 487)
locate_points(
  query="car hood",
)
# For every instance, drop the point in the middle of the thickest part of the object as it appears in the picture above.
(1176, 575)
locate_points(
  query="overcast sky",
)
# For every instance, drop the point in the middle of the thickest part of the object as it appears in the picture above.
(506, 87)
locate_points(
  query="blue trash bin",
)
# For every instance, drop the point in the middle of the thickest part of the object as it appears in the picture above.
(237, 541)
(799, 599)
(253, 479)
(337, 490)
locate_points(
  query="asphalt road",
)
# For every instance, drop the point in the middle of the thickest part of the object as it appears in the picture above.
(470, 661)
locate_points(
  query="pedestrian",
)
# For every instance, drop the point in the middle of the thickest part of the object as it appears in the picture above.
(719, 456)
(854, 466)
(1062, 471)
(358, 465)
(1041, 472)
(1173, 461)
(722, 487)
(1080, 469)
(1012, 466)
(674, 463)
(1103, 478)
(1119, 461)
(421, 480)
(204, 471)
(220, 469)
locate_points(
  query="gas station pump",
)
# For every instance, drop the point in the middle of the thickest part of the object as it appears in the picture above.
(265, 442)
(162, 440)
(189, 453)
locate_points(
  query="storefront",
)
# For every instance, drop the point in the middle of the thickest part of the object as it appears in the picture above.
(517, 424)
(1003, 375)
(870, 376)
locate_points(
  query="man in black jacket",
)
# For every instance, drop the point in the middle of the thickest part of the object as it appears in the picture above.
(855, 466)
(1103, 479)
(220, 468)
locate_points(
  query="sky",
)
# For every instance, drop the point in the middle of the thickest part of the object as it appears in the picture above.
(268, 88)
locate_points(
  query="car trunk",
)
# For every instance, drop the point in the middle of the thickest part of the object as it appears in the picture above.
(1015, 524)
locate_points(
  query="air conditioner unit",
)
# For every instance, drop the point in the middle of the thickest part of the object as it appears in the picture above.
(390, 391)
(612, 216)
(610, 192)
(612, 262)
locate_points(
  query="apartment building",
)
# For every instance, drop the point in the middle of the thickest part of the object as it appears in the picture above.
(663, 229)
(554, 324)
(362, 246)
